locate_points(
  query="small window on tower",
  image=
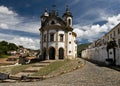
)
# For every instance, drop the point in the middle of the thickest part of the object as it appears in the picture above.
(69, 51)
(52, 22)
(69, 21)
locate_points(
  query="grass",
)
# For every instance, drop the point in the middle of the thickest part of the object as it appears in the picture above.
(58, 67)
(4, 56)
(53, 69)
(6, 69)
(50, 68)
(17, 69)
(14, 69)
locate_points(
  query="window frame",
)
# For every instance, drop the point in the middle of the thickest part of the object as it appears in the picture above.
(61, 37)
(52, 37)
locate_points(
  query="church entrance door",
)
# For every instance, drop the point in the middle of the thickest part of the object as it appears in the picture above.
(44, 53)
(52, 53)
(61, 53)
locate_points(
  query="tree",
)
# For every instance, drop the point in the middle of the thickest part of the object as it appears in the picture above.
(12, 46)
(5, 47)
(3, 43)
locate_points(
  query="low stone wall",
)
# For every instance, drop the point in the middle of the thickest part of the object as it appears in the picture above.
(100, 54)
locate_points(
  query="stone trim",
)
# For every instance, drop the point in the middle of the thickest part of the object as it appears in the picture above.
(57, 27)
(65, 49)
(47, 49)
(42, 44)
(73, 45)
(56, 47)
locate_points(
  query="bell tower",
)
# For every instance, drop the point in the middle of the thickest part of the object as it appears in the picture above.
(44, 16)
(67, 17)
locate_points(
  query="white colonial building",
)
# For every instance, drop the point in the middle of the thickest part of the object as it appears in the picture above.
(58, 41)
(100, 50)
(113, 33)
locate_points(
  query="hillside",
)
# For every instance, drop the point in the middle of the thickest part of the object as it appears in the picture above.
(82, 47)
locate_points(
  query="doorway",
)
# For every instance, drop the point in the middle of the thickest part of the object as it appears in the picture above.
(52, 53)
(44, 53)
(61, 53)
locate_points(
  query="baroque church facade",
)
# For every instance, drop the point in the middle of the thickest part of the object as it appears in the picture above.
(58, 41)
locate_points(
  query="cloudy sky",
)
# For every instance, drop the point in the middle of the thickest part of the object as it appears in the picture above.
(20, 19)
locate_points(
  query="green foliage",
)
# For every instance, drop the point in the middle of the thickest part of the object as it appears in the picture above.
(6, 69)
(12, 46)
(4, 56)
(20, 46)
(5, 47)
(3, 43)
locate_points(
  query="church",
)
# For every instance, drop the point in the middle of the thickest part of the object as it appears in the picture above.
(57, 39)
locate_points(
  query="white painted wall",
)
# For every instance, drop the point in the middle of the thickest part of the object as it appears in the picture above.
(118, 56)
(70, 46)
(61, 44)
(51, 44)
(100, 54)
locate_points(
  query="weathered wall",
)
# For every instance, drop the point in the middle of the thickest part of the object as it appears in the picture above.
(100, 54)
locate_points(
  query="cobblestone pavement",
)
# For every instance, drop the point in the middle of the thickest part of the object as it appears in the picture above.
(89, 75)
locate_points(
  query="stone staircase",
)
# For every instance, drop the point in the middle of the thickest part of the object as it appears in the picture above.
(34, 68)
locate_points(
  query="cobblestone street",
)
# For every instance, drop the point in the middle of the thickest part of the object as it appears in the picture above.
(89, 75)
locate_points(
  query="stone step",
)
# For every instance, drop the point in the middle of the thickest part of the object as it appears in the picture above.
(8, 80)
(32, 69)
(35, 68)
(45, 62)
(40, 65)
(15, 77)
(24, 74)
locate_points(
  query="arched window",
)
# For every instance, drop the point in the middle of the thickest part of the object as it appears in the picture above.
(69, 21)
(52, 22)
